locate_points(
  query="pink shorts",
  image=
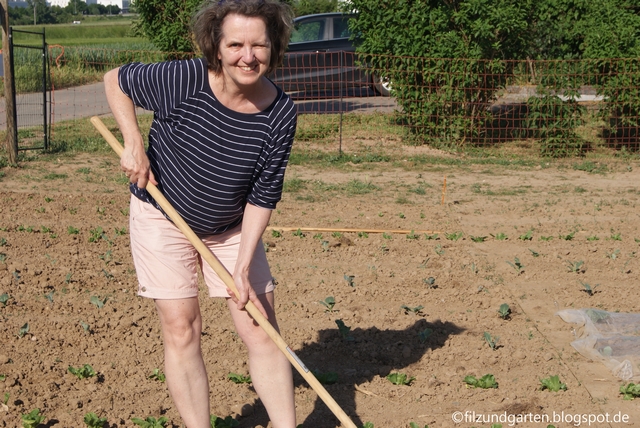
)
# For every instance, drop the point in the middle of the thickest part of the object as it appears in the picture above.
(167, 264)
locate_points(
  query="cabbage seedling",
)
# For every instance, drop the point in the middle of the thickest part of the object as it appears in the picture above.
(415, 425)
(23, 330)
(4, 298)
(425, 334)
(453, 236)
(400, 379)
(238, 378)
(588, 288)
(227, 422)
(504, 311)
(328, 378)
(150, 422)
(492, 341)
(487, 381)
(349, 279)
(553, 384)
(158, 375)
(415, 310)
(97, 301)
(32, 419)
(516, 265)
(344, 330)
(575, 267)
(630, 391)
(328, 303)
(93, 421)
(478, 238)
(82, 372)
(527, 236)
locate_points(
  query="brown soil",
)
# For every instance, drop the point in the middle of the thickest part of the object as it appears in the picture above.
(51, 276)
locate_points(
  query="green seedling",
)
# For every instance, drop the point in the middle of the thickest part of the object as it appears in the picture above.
(121, 232)
(385, 235)
(630, 391)
(349, 279)
(534, 253)
(504, 311)
(527, 236)
(500, 236)
(299, 233)
(328, 378)
(487, 381)
(67, 278)
(430, 282)
(424, 335)
(453, 236)
(439, 250)
(93, 421)
(413, 236)
(276, 234)
(328, 303)
(3, 377)
(318, 236)
(368, 425)
(99, 303)
(415, 425)
(614, 255)
(592, 238)
(400, 379)
(546, 238)
(478, 238)
(73, 230)
(575, 267)
(238, 378)
(344, 330)
(106, 257)
(158, 375)
(85, 327)
(84, 372)
(150, 422)
(553, 384)
(568, 237)
(4, 298)
(336, 235)
(227, 422)
(108, 276)
(516, 265)
(430, 237)
(587, 288)
(32, 419)
(616, 236)
(363, 235)
(96, 234)
(48, 199)
(49, 296)
(414, 310)
(325, 246)
(41, 210)
(3, 242)
(492, 341)
(23, 330)
(3, 257)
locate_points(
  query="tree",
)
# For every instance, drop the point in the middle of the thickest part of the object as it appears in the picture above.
(167, 23)
(309, 7)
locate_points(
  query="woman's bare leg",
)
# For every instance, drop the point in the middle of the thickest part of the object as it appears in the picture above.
(269, 368)
(184, 367)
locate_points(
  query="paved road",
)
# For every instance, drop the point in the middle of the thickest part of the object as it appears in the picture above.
(90, 100)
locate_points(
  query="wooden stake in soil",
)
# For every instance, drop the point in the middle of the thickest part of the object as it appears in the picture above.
(444, 189)
(222, 272)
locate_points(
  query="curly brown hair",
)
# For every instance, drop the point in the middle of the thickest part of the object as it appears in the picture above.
(207, 27)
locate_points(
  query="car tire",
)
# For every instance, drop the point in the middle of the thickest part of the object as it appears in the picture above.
(382, 85)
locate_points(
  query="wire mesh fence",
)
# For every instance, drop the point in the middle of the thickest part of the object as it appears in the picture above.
(351, 102)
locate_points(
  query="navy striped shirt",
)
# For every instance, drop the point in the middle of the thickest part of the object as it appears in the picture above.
(209, 160)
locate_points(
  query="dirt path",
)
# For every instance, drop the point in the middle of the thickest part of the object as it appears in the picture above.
(64, 244)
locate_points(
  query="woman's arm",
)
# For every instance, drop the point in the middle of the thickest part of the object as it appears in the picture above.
(134, 161)
(254, 223)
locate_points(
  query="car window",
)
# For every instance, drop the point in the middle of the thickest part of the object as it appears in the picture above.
(341, 27)
(308, 31)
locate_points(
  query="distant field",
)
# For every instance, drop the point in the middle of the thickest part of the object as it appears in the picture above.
(107, 33)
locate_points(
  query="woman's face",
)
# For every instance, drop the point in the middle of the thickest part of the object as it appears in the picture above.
(245, 50)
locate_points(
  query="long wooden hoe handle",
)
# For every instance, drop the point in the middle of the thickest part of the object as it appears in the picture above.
(215, 264)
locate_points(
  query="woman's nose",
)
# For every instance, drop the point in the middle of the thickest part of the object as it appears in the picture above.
(247, 54)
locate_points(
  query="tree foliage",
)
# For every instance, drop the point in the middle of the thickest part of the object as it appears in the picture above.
(167, 23)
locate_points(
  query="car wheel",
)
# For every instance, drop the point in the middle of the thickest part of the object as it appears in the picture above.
(382, 85)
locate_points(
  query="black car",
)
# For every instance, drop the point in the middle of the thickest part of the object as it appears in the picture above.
(321, 57)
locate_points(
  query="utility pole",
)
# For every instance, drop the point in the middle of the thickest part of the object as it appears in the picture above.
(11, 144)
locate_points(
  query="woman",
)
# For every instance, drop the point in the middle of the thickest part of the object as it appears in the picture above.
(218, 147)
